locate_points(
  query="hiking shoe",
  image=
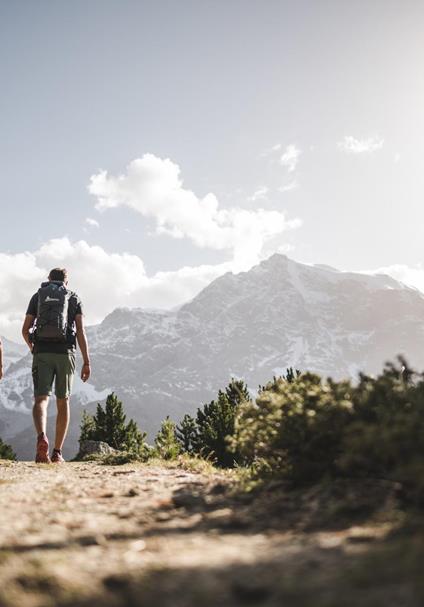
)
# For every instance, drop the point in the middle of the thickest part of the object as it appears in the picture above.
(57, 456)
(42, 455)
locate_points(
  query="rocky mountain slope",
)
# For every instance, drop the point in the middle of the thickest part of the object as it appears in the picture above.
(251, 325)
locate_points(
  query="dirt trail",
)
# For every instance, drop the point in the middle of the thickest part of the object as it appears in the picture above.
(84, 534)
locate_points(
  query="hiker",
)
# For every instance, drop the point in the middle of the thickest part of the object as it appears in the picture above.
(1, 359)
(52, 326)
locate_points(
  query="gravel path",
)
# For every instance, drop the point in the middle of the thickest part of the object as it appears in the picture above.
(84, 534)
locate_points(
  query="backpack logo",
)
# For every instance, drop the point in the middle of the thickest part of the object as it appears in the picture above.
(48, 298)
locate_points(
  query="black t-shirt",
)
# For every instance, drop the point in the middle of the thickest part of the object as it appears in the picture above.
(44, 347)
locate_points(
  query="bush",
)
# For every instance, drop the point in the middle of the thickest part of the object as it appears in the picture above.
(187, 434)
(294, 429)
(166, 443)
(386, 438)
(6, 451)
(308, 428)
(214, 426)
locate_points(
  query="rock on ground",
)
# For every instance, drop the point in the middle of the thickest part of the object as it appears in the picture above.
(94, 447)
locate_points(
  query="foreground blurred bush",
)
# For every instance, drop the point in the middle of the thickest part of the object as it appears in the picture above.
(308, 428)
(6, 451)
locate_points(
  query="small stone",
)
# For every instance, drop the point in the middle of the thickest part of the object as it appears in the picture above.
(250, 591)
(187, 500)
(219, 515)
(91, 540)
(138, 545)
(116, 582)
(163, 516)
(218, 489)
(131, 492)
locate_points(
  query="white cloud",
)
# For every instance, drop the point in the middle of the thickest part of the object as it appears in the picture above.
(153, 187)
(103, 280)
(360, 146)
(259, 194)
(290, 158)
(411, 276)
(272, 150)
(92, 222)
(288, 187)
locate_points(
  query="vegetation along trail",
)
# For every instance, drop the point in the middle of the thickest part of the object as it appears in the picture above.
(178, 534)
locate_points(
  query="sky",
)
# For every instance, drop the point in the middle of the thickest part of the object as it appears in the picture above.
(150, 146)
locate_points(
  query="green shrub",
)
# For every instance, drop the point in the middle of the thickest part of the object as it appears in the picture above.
(295, 427)
(166, 443)
(307, 428)
(215, 425)
(386, 438)
(187, 434)
(6, 451)
(127, 457)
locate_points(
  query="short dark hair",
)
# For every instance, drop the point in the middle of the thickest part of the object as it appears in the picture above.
(59, 274)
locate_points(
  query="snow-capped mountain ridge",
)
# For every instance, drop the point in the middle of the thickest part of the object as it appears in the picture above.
(252, 325)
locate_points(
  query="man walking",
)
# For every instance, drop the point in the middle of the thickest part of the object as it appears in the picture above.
(52, 326)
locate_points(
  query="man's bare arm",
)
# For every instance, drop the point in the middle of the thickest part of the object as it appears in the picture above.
(28, 324)
(83, 346)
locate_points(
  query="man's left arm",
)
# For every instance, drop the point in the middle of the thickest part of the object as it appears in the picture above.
(83, 346)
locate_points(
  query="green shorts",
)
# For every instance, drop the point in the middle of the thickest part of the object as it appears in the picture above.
(48, 368)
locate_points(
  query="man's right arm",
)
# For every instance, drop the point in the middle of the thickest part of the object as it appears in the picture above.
(28, 324)
(30, 317)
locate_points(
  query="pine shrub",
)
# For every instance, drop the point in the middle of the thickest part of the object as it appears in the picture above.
(6, 451)
(215, 425)
(307, 429)
(166, 443)
(294, 428)
(187, 434)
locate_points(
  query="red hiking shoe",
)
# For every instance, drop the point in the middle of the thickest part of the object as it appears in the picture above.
(57, 456)
(42, 455)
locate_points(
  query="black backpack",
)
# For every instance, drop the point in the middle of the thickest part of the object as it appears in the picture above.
(52, 312)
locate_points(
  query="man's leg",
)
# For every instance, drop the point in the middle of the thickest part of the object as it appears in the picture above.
(39, 413)
(43, 375)
(62, 422)
(65, 369)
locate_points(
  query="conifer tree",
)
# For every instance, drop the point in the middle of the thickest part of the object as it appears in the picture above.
(112, 422)
(6, 451)
(237, 392)
(215, 424)
(187, 434)
(87, 426)
(134, 440)
(166, 443)
(109, 425)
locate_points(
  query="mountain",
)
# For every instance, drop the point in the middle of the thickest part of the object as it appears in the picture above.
(251, 325)
(12, 351)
